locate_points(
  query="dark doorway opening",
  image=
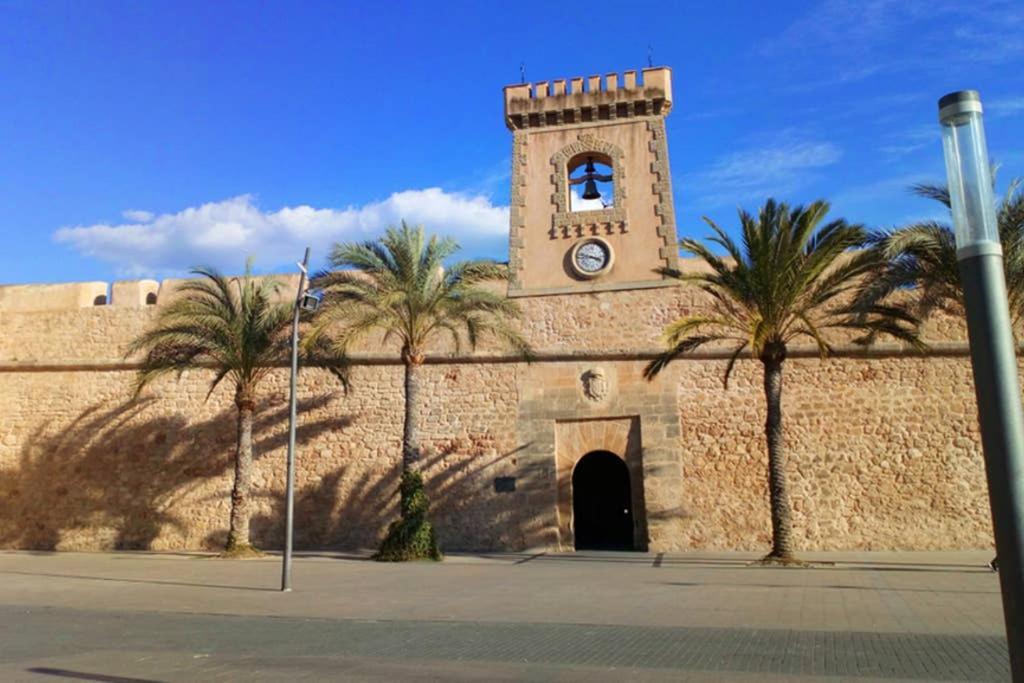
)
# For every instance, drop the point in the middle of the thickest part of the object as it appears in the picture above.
(601, 503)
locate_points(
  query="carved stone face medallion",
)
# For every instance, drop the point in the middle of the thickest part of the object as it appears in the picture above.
(595, 384)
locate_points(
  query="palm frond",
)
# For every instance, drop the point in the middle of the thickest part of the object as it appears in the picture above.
(731, 364)
(399, 286)
(920, 260)
(681, 348)
(789, 276)
(939, 193)
(231, 325)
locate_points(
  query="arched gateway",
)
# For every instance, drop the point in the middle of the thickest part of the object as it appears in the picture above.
(602, 503)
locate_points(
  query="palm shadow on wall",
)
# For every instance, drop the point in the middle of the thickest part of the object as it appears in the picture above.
(120, 474)
(121, 471)
(468, 512)
(349, 509)
(325, 518)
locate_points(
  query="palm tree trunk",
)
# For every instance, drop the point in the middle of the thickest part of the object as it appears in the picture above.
(238, 534)
(411, 428)
(778, 489)
(411, 537)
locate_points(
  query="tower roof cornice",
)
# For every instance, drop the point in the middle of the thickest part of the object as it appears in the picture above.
(588, 99)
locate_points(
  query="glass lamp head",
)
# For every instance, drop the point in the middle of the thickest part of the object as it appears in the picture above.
(969, 174)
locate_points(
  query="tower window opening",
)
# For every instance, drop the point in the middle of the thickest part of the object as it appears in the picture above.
(591, 183)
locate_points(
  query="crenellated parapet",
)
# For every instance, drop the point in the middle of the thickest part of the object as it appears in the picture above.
(590, 99)
(135, 293)
(76, 295)
(70, 296)
(53, 297)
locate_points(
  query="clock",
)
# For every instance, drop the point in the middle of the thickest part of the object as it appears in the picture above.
(590, 258)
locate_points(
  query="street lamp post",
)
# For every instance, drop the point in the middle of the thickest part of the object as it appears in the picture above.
(993, 350)
(304, 301)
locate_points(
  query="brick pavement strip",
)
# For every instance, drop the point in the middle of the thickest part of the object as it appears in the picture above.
(30, 636)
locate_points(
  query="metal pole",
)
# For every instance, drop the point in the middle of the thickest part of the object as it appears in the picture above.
(289, 495)
(993, 350)
(1002, 432)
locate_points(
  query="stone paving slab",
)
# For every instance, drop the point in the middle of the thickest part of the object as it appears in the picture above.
(930, 593)
(214, 645)
(518, 616)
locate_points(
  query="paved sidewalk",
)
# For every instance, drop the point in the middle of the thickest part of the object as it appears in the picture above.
(584, 616)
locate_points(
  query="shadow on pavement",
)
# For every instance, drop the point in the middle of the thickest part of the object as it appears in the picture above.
(85, 676)
(146, 581)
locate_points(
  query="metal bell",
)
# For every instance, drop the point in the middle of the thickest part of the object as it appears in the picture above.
(590, 190)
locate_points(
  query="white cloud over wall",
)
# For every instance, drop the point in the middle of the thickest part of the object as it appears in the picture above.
(224, 233)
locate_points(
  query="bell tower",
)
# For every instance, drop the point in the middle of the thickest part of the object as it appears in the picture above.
(591, 195)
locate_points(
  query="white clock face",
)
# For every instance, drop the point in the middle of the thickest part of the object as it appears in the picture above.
(592, 257)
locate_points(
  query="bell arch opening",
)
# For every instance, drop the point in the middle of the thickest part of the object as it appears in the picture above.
(602, 503)
(591, 182)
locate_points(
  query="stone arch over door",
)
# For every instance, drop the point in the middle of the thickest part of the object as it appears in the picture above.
(574, 439)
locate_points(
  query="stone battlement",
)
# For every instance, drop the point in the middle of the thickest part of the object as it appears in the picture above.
(588, 99)
(73, 295)
(68, 296)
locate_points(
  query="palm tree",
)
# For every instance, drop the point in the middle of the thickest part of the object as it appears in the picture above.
(237, 328)
(399, 287)
(790, 279)
(922, 257)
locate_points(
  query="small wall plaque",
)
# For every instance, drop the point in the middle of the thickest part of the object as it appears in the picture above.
(504, 484)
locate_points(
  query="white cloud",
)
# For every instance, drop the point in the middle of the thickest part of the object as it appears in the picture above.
(912, 140)
(1007, 106)
(881, 190)
(850, 26)
(137, 216)
(890, 201)
(837, 42)
(759, 173)
(224, 233)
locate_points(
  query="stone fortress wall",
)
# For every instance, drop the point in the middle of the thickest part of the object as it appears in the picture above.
(884, 450)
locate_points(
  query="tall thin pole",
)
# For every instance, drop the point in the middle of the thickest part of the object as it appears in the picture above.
(993, 351)
(1002, 432)
(289, 495)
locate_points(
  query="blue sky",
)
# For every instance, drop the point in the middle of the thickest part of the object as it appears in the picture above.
(137, 139)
